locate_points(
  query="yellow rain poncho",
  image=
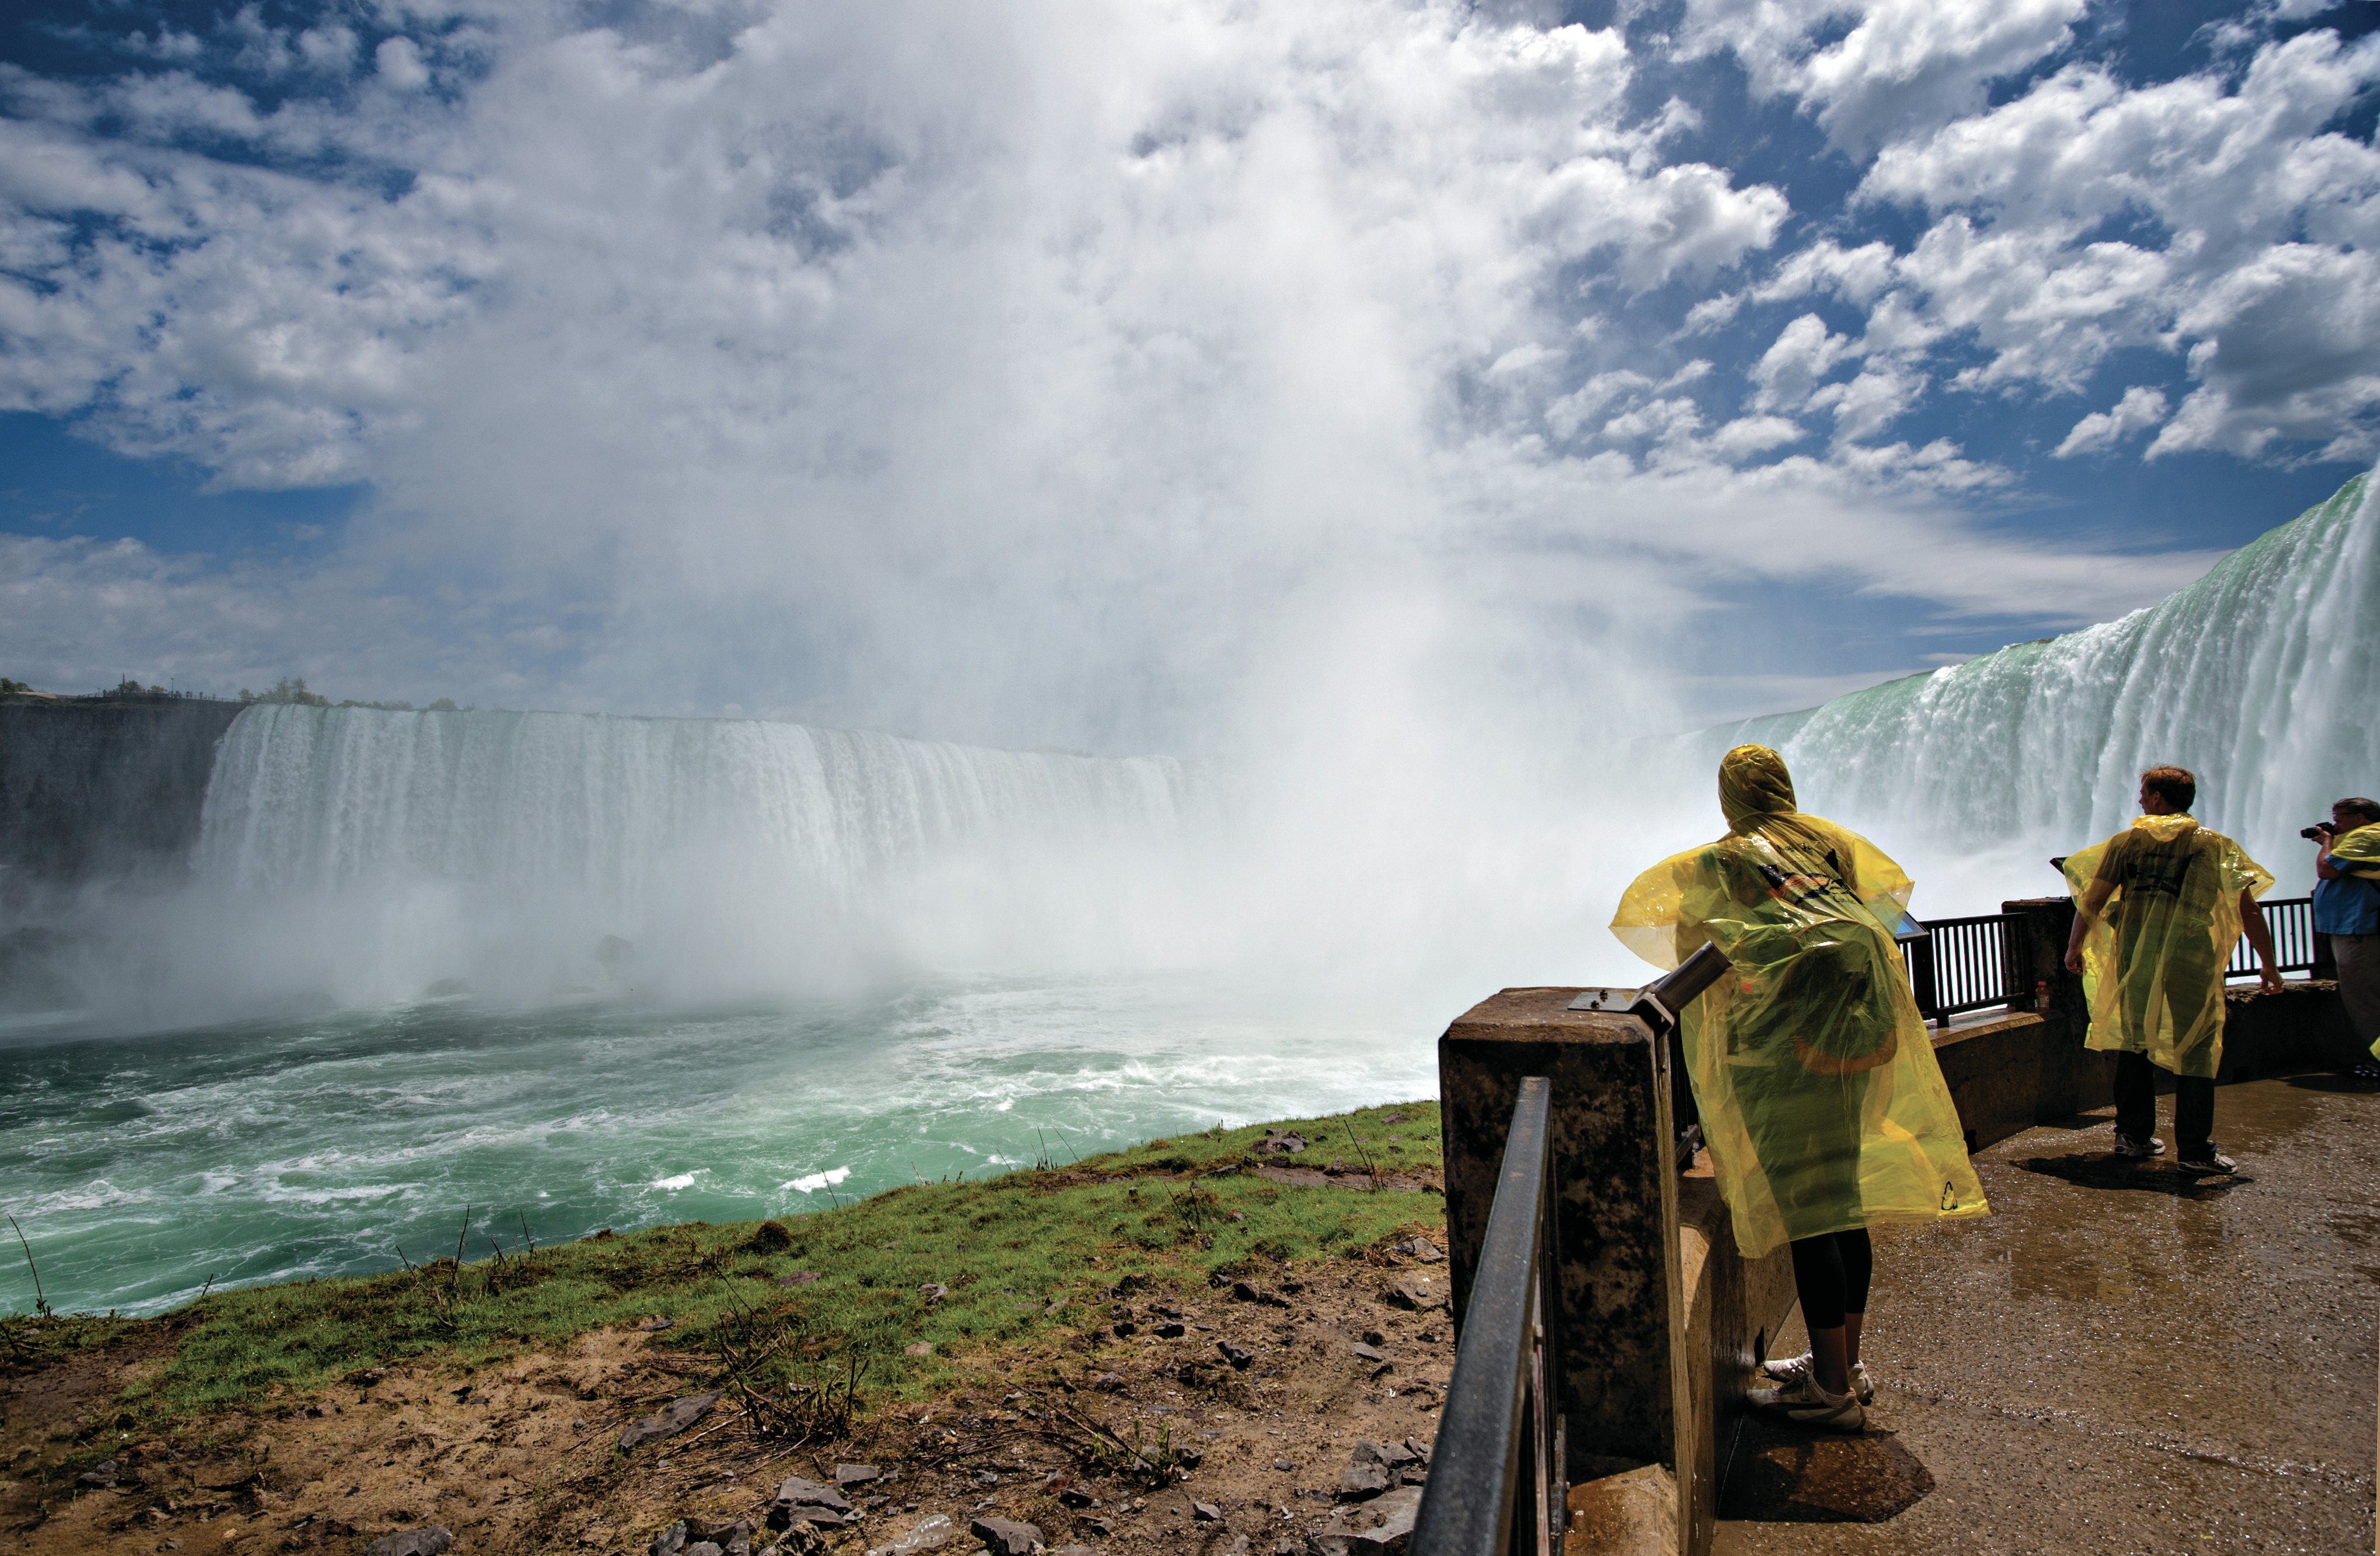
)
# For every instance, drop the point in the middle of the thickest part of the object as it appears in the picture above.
(2358, 852)
(2156, 946)
(1820, 1097)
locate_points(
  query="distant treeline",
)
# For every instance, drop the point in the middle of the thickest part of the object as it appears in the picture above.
(289, 690)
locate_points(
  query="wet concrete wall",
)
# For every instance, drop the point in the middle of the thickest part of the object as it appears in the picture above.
(91, 790)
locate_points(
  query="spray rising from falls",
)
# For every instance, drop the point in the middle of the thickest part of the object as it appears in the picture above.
(2262, 677)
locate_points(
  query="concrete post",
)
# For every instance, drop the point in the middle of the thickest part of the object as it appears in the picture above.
(1617, 1297)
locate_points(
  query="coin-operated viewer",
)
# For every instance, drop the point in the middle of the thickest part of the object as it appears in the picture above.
(1823, 1105)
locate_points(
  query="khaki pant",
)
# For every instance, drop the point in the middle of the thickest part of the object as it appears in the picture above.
(2359, 981)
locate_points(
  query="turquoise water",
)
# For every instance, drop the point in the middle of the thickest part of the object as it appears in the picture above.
(141, 1166)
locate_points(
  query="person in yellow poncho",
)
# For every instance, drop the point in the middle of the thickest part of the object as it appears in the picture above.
(2159, 908)
(1821, 1100)
(2347, 907)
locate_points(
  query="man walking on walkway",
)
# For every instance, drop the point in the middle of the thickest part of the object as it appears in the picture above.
(2347, 908)
(2158, 908)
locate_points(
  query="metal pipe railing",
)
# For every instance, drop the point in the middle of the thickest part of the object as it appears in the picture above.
(1498, 1421)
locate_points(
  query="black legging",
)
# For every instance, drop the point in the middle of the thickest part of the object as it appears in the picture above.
(1830, 1273)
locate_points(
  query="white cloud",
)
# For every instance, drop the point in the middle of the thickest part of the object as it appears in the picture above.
(2139, 409)
(1803, 353)
(1903, 64)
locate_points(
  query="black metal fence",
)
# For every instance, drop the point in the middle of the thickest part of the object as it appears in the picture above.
(1495, 1485)
(2294, 946)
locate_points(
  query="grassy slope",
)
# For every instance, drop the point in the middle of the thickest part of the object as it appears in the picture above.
(1008, 1248)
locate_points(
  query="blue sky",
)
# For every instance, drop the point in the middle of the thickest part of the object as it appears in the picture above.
(1076, 373)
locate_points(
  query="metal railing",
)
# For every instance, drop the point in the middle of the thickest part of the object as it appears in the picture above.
(1495, 1485)
(1958, 965)
(2294, 946)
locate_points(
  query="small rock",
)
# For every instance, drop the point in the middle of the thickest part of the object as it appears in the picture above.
(1242, 1292)
(730, 1540)
(1108, 1383)
(1397, 1118)
(1279, 1140)
(798, 1278)
(1125, 1328)
(930, 1533)
(1426, 1251)
(1379, 1528)
(1413, 1296)
(1283, 1466)
(918, 1348)
(807, 1501)
(1338, 1167)
(654, 1326)
(669, 1423)
(102, 1474)
(1074, 1550)
(1364, 1480)
(1075, 1496)
(704, 1548)
(1369, 1353)
(856, 1475)
(430, 1539)
(1240, 1356)
(669, 1542)
(1206, 1512)
(933, 1292)
(1003, 1537)
(1170, 1331)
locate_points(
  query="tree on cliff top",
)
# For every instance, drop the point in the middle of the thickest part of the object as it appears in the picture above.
(289, 688)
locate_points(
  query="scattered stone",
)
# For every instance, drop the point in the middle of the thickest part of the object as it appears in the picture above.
(430, 1539)
(1420, 1249)
(1125, 1328)
(1074, 1550)
(704, 1548)
(1127, 1284)
(1170, 1331)
(1412, 1296)
(102, 1475)
(1391, 1455)
(933, 1292)
(1206, 1512)
(986, 1477)
(1240, 1356)
(1369, 1352)
(1383, 1528)
(1283, 1466)
(1364, 1478)
(1279, 1140)
(731, 1539)
(799, 1277)
(807, 1501)
(1338, 1167)
(1242, 1292)
(918, 1348)
(1108, 1383)
(654, 1326)
(1003, 1537)
(1397, 1118)
(930, 1533)
(669, 1423)
(1075, 1496)
(856, 1475)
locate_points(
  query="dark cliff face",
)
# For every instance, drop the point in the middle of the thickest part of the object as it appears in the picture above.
(99, 790)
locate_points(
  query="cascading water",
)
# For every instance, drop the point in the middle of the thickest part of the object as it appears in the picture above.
(2261, 677)
(320, 797)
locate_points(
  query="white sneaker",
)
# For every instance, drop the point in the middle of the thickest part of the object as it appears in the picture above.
(2127, 1146)
(1793, 1369)
(2213, 1162)
(1807, 1405)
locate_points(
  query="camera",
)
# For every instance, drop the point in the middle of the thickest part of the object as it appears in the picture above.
(2317, 831)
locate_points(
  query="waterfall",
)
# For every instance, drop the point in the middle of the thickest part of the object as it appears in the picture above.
(2263, 677)
(312, 797)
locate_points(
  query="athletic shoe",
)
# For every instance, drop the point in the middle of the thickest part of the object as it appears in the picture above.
(2211, 1161)
(1793, 1369)
(2127, 1146)
(1807, 1405)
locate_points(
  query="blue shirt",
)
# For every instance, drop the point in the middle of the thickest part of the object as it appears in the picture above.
(2349, 906)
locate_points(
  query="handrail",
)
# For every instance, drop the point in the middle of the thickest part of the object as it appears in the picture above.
(1498, 1414)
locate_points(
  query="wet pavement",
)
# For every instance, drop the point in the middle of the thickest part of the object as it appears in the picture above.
(2122, 1358)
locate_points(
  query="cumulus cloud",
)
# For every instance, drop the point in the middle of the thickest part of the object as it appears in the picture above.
(1017, 373)
(1901, 65)
(2141, 409)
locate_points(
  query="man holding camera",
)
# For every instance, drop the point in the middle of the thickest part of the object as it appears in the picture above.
(2159, 908)
(2346, 906)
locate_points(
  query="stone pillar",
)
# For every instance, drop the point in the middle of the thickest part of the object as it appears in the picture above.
(1618, 1296)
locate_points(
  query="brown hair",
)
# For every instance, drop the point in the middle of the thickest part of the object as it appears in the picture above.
(2177, 786)
(2368, 809)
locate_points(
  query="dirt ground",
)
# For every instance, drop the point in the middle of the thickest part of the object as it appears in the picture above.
(522, 1456)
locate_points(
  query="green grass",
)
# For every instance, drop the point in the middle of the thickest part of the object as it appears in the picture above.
(1008, 1248)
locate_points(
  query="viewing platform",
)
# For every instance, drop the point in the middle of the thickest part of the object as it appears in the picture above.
(2122, 1357)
